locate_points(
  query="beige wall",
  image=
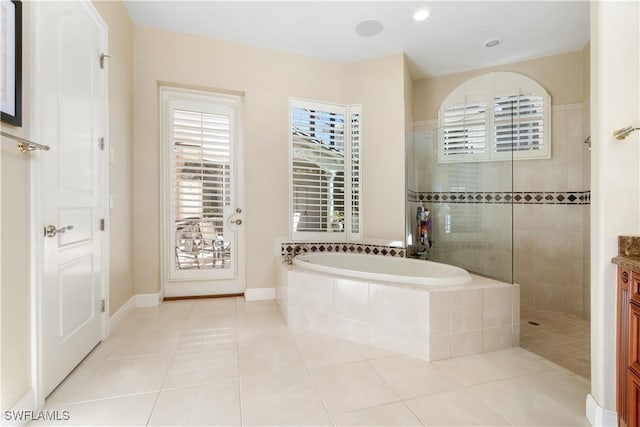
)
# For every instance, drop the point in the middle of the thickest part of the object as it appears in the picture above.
(266, 79)
(409, 149)
(563, 76)
(379, 85)
(408, 97)
(586, 68)
(15, 226)
(15, 229)
(15, 298)
(121, 143)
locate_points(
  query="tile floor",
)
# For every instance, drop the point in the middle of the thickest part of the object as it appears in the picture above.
(561, 338)
(231, 362)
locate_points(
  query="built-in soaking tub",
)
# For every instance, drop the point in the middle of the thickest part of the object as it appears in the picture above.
(419, 308)
(384, 269)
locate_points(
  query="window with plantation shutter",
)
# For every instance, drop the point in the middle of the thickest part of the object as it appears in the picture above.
(496, 116)
(325, 171)
(464, 131)
(519, 125)
(356, 178)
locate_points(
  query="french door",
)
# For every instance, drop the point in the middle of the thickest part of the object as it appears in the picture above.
(203, 227)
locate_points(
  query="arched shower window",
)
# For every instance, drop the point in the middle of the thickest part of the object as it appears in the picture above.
(495, 116)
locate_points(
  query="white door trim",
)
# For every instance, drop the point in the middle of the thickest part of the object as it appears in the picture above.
(36, 239)
(195, 287)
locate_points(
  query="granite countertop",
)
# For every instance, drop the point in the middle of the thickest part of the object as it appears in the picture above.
(628, 252)
(631, 262)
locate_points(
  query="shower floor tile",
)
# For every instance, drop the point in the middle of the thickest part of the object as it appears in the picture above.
(559, 337)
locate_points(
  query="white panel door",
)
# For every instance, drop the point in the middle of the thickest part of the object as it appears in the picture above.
(70, 95)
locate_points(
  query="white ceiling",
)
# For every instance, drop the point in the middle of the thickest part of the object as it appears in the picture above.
(450, 40)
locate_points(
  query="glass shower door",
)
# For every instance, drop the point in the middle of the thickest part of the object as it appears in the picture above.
(469, 204)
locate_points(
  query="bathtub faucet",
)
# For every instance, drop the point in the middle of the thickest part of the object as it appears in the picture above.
(297, 250)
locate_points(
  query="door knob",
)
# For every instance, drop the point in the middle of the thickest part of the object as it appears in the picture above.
(237, 221)
(51, 230)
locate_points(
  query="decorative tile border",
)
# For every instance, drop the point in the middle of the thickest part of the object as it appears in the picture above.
(505, 197)
(287, 248)
(553, 198)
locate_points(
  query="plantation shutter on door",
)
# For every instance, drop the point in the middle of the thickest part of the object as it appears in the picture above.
(201, 190)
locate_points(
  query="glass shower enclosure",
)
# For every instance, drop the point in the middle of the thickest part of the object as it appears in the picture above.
(464, 208)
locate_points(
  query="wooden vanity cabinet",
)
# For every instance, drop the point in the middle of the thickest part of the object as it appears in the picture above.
(633, 400)
(628, 348)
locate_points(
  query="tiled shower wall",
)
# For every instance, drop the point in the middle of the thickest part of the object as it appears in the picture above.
(550, 221)
(551, 241)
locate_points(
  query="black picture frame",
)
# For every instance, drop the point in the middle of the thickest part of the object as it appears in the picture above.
(11, 62)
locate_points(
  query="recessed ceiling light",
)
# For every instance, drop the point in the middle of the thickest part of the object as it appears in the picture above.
(492, 42)
(420, 14)
(369, 27)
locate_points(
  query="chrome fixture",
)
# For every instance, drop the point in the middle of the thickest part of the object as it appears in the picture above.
(103, 56)
(24, 145)
(51, 230)
(235, 221)
(297, 249)
(623, 133)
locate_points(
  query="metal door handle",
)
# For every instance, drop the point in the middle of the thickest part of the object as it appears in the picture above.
(237, 221)
(51, 230)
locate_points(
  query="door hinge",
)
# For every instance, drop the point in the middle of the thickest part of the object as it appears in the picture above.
(103, 306)
(101, 143)
(101, 224)
(102, 57)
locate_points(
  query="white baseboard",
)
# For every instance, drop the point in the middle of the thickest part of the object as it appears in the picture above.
(599, 416)
(148, 300)
(257, 294)
(19, 412)
(116, 319)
